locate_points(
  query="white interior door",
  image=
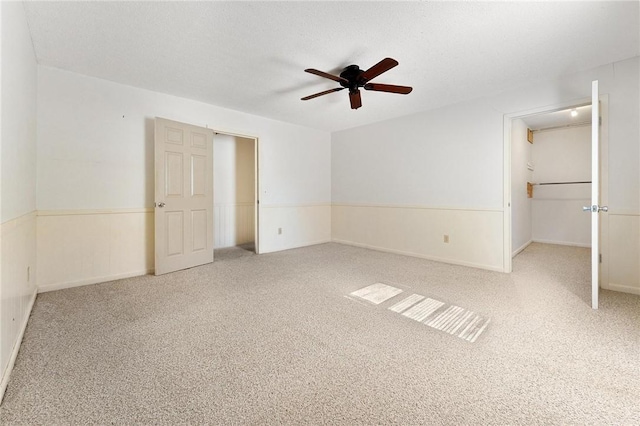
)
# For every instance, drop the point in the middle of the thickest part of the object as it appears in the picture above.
(183, 196)
(595, 207)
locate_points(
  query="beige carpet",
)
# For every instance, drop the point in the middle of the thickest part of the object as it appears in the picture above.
(272, 339)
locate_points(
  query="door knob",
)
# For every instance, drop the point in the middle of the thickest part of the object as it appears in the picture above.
(595, 209)
(161, 205)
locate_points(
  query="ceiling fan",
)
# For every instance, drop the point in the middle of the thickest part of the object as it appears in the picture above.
(353, 78)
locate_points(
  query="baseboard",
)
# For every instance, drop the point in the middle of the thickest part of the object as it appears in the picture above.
(421, 256)
(522, 247)
(561, 243)
(621, 288)
(295, 246)
(95, 280)
(16, 347)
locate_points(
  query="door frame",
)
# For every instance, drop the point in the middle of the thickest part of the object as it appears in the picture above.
(256, 191)
(604, 177)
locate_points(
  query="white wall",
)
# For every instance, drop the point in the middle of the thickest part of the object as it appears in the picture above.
(95, 158)
(233, 190)
(562, 155)
(19, 115)
(452, 157)
(521, 232)
(18, 86)
(437, 158)
(427, 162)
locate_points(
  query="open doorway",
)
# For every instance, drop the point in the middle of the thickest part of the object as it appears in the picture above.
(551, 178)
(235, 184)
(515, 209)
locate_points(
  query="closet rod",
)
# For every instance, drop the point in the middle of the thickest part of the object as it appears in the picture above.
(561, 183)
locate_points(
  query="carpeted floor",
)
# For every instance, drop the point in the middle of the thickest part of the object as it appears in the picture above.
(272, 339)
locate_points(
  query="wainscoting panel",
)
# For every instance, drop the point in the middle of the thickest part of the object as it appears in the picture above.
(80, 247)
(624, 253)
(234, 224)
(86, 247)
(475, 236)
(18, 287)
(301, 225)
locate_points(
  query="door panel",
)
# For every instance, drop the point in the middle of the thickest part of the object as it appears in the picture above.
(199, 230)
(199, 175)
(174, 232)
(184, 196)
(173, 174)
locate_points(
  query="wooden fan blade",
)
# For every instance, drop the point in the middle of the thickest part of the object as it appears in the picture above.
(326, 92)
(326, 75)
(356, 100)
(383, 66)
(403, 90)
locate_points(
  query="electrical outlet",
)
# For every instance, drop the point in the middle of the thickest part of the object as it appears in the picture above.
(279, 231)
(446, 238)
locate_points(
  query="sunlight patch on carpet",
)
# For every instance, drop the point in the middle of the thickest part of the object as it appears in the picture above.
(451, 319)
(377, 293)
(406, 303)
(422, 310)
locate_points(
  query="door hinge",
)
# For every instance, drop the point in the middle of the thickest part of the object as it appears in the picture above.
(600, 257)
(599, 121)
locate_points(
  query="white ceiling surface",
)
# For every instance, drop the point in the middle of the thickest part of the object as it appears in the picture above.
(250, 56)
(559, 118)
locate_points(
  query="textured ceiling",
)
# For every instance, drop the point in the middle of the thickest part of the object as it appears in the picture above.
(250, 56)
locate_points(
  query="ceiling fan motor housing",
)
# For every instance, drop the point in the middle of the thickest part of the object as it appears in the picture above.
(352, 74)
